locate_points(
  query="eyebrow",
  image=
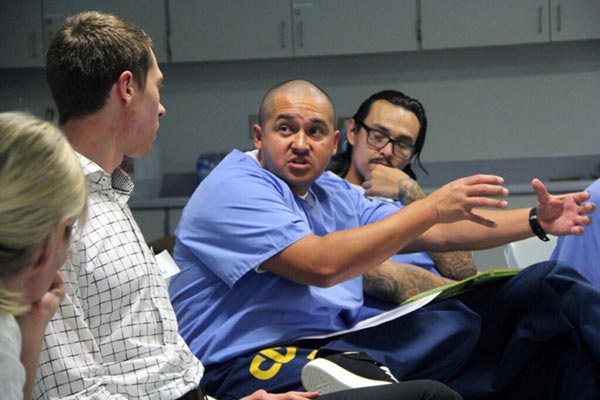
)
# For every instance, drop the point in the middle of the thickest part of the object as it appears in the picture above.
(289, 117)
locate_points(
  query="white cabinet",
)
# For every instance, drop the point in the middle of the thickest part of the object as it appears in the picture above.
(471, 23)
(21, 33)
(203, 30)
(148, 14)
(574, 19)
(338, 27)
(206, 30)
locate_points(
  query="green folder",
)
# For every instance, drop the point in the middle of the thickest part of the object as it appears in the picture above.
(456, 288)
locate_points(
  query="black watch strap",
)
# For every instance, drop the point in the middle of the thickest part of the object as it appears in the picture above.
(536, 228)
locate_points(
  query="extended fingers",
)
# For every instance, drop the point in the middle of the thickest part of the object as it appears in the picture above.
(483, 185)
(484, 178)
(486, 190)
(481, 220)
(540, 190)
(580, 197)
(587, 208)
(583, 220)
(487, 202)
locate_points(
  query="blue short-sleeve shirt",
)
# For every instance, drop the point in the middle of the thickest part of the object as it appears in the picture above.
(582, 252)
(240, 216)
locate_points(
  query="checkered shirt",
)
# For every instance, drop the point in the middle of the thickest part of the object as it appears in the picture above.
(115, 334)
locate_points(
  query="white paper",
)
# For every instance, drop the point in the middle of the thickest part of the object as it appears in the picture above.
(383, 317)
(167, 265)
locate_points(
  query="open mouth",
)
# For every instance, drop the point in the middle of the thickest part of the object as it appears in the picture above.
(299, 161)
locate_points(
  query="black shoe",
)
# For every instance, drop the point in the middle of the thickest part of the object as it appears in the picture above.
(344, 371)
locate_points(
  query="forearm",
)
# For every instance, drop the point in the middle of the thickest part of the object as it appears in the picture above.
(511, 225)
(409, 191)
(328, 260)
(394, 283)
(32, 333)
(455, 265)
(336, 257)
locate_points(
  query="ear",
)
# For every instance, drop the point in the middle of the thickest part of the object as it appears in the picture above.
(42, 253)
(50, 245)
(351, 131)
(336, 141)
(257, 135)
(125, 87)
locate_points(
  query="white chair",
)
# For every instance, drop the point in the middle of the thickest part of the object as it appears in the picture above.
(529, 251)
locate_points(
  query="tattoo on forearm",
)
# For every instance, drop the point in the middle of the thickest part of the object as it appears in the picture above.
(455, 265)
(409, 191)
(398, 282)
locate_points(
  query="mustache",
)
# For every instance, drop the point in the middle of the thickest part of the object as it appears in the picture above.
(381, 160)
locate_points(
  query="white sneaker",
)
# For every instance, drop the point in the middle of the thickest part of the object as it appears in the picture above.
(342, 371)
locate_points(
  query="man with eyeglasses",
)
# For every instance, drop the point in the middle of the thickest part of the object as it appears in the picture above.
(272, 251)
(384, 137)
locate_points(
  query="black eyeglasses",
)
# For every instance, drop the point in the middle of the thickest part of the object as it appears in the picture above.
(378, 140)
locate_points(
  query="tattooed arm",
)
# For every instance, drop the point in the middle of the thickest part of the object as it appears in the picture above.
(394, 184)
(455, 265)
(394, 282)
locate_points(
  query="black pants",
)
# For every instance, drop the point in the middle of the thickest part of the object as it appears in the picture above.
(413, 390)
(196, 394)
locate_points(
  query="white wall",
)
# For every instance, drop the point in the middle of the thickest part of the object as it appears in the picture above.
(500, 102)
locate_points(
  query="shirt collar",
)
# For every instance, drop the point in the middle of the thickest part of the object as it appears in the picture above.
(119, 181)
(309, 197)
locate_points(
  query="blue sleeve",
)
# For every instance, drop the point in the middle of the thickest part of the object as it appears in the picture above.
(238, 219)
(368, 210)
(581, 252)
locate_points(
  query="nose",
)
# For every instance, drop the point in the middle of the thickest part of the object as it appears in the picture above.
(300, 142)
(161, 110)
(387, 150)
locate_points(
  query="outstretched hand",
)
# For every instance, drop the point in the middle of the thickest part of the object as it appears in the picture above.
(262, 395)
(564, 214)
(456, 200)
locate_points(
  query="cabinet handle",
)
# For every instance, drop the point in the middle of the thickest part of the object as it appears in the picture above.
(540, 19)
(300, 32)
(282, 38)
(34, 52)
(558, 18)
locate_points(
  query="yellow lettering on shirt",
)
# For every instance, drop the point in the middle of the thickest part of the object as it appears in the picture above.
(267, 363)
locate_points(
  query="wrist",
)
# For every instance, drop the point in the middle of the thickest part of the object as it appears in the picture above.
(534, 224)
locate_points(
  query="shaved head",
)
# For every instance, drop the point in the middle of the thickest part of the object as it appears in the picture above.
(298, 87)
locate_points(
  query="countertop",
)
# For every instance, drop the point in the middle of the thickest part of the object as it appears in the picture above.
(560, 174)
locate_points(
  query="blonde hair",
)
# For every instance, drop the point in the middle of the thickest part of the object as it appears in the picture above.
(41, 185)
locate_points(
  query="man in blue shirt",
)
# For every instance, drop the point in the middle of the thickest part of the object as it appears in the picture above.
(272, 251)
(583, 252)
(383, 142)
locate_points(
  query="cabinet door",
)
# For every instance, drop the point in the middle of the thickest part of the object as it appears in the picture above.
(331, 27)
(21, 33)
(148, 14)
(575, 19)
(470, 23)
(207, 30)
